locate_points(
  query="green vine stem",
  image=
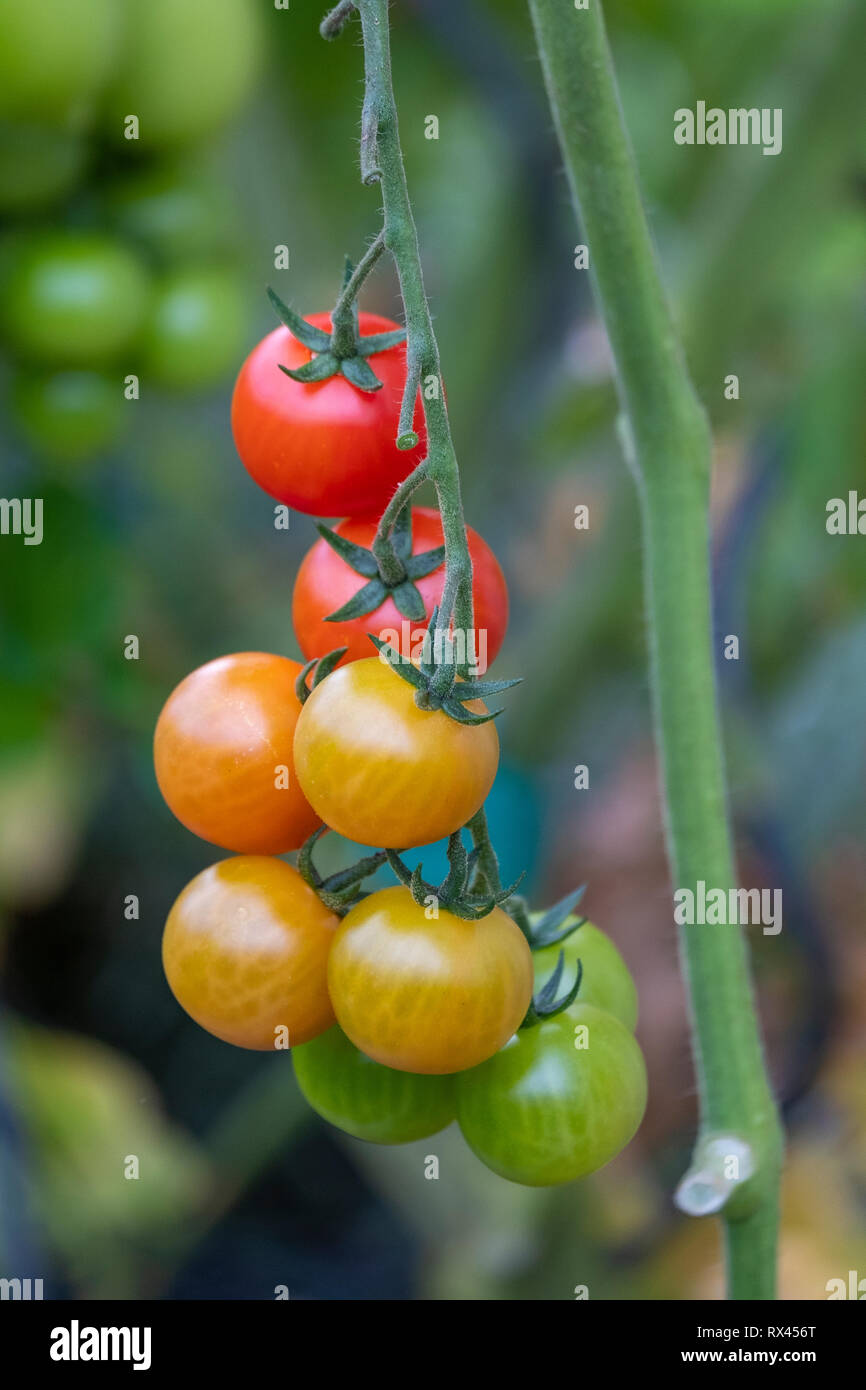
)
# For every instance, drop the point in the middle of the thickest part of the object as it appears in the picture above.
(342, 319)
(737, 1159)
(382, 162)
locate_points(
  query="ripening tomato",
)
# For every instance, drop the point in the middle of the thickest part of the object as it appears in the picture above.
(223, 754)
(323, 447)
(383, 772)
(245, 953)
(367, 1100)
(606, 981)
(427, 994)
(325, 582)
(558, 1102)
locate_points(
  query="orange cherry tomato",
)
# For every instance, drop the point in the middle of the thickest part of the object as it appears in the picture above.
(428, 995)
(223, 754)
(245, 953)
(383, 772)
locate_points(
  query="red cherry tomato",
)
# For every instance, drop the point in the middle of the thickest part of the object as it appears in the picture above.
(326, 447)
(325, 582)
(223, 754)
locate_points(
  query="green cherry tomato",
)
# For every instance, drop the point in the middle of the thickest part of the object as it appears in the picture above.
(174, 212)
(185, 69)
(606, 981)
(54, 59)
(72, 298)
(194, 330)
(367, 1100)
(558, 1102)
(38, 165)
(67, 416)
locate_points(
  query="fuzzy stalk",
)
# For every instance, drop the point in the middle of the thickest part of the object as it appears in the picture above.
(737, 1159)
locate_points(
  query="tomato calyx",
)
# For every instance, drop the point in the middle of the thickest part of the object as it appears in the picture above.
(549, 930)
(436, 682)
(392, 574)
(342, 351)
(545, 1004)
(456, 891)
(340, 891)
(324, 666)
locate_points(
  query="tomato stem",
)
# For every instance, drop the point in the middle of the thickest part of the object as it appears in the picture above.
(669, 450)
(381, 545)
(382, 162)
(344, 341)
(487, 872)
(333, 23)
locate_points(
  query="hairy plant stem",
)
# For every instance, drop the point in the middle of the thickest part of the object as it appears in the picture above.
(390, 568)
(342, 319)
(382, 162)
(737, 1159)
(487, 875)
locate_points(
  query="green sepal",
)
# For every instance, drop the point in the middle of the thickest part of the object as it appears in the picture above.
(425, 563)
(301, 688)
(452, 894)
(316, 339)
(479, 690)
(324, 666)
(360, 374)
(380, 342)
(305, 866)
(340, 891)
(545, 1004)
(549, 930)
(357, 557)
(319, 368)
(408, 601)
(327, 664)
(454, 884)
(410, 673)
(368, 598)
(399, 867)
(455, 710)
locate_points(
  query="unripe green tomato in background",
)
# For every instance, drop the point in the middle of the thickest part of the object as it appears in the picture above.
(172, 212)
(606, 981)
(55, 57)
(185, 68)
(72, 298)
(39, 165)
(545, 1110)
(194, 331)
(67, 416)
(367, 1100)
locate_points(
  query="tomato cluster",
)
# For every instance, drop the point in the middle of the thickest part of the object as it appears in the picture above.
(117, 251)
(404, 1008)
